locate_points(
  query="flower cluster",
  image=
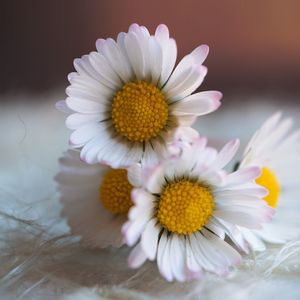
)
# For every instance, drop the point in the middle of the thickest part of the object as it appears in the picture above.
(138, 174)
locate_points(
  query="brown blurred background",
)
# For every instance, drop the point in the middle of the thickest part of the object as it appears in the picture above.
(255, 45)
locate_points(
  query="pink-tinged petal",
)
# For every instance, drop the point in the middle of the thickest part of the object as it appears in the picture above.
(197, 104)
(162, 32)
(154, 183)
(182, 137)
(149, 240)
(191, 61)
(62, 106)
(200, 54)
(194, 270)
(242, 176)
(168, 50)
(137, 257)
(132, 230)
(84, 68)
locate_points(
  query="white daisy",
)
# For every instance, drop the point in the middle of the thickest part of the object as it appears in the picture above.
(277, 151)
(95, 200)
(181, 209)
(126, 97)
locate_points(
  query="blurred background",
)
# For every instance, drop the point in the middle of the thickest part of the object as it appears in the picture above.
(255, 45)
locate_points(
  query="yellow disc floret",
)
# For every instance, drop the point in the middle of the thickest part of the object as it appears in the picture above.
(268, 180)
(139, 111)
(185, 206)
(115, 191)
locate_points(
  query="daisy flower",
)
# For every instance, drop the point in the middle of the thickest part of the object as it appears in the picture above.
(181, 212)
(95, 200)
(277, 151)
(127, 98)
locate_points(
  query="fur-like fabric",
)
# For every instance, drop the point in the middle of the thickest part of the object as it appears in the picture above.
(40, 260)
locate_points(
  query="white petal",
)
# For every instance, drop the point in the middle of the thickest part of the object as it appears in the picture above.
(241, 218)
(150, 158)
(79, 187)
(186, 120)
(141, 197)
(188, 81)
(155, 60)
(149, 240)
(132, 231)
(199, 254)
(86, 133)
(137, 257)
(86, 106)
(177, 257)
(134, 174)
(195, 270)
(197, 104)
(134, 155)
(108, 75)
(116, 56)
(164, 265)
(194, 59)
(226, 154)
(77, 120)
(155, 181)
(229, 254)
(254, 241)
(169, 52)
(242, 176)
(135, 55)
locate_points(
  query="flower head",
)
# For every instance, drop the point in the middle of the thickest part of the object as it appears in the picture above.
(95, 198)
(276, 151)
(185, 207)
(127, 98)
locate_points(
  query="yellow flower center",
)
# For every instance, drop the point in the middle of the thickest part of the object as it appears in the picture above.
(268, 180)
(139, 111)
(185, 206)
(115, 191)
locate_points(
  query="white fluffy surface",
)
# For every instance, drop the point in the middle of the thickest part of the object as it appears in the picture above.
(38, 258)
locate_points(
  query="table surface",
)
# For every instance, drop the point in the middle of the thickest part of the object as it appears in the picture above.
(40, 261)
